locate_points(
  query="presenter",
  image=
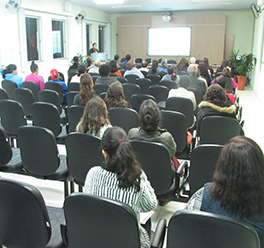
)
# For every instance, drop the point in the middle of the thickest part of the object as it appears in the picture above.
(93, 49)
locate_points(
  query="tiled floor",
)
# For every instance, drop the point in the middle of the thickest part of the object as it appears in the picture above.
(52, 191)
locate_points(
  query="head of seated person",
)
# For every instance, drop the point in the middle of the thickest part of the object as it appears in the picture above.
(97, 63)
(128, 57)
(227, 72)
(193, 70)
(81, 70)
(104, 70)
(144, 64)
(34, 68)
(129, 65)
(155, 65)
(86, 89)
(184, 81)
(215, 94)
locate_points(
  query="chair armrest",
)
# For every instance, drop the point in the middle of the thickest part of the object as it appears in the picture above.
(159, 235)
(181, 177)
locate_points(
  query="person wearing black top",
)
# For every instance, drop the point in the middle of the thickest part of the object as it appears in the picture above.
(93, 49)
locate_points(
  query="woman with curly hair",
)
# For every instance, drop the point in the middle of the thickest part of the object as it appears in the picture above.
(238, 185)
(115, 96)
(183, 65)
(95, 118)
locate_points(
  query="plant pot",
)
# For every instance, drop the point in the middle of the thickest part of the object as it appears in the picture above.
(241, 80)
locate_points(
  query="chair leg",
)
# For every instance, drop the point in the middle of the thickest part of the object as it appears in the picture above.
(72, 186)
(66, 188)
(80, 188)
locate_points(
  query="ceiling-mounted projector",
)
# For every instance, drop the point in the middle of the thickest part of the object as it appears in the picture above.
(167, 17)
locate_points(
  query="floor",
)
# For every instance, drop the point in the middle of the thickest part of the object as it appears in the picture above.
(52, 191)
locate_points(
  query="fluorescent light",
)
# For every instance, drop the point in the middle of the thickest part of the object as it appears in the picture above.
(108, 1)
(126, 6)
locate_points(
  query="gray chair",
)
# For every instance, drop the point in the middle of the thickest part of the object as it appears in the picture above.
(70, 97)
(33, 87)
(73, 86)
(122, 80)
(144, 84)
(130, 89)
(137, 99)
(131, 78)
(169, 84)
(57, 87)
(74, 115)
(154, 78)
(100, 88)
(9, 87)
(3, 94)
(159, 92)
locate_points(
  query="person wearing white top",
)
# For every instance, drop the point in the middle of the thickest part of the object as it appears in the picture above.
(132, 70)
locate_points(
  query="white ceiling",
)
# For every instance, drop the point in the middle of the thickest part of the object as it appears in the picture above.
(168, 5)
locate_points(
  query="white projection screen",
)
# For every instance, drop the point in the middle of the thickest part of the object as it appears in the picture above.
(169, 41)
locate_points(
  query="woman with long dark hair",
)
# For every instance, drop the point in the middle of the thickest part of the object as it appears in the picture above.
(204, 73)
(122, 179)
(114, 69)
(10, 73)
(237, 189)
(81, 70)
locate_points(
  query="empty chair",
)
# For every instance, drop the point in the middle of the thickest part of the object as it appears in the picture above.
(70, 97)
(149, 60)
(93, 221)
(218, 130)
(138, 61)
(122, 80)
(144, 84)
(189, 228)
(169, 84)
(154, 78)
(172, 62)
(25, 221)
(40, 156)
(26, 98)
(74, 114)
(131, 78)
(99, 88)
(33, 87)
(137, 99)
(3, 94)
(130, 89)
(123, 117)
(57, 87)
(159, 92)
(83, 152)
(9, 87)
(73, 86)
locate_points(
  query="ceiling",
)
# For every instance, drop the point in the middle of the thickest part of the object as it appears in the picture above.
(167, 5)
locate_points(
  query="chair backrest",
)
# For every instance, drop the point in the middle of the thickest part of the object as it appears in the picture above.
(94, 74)
(46, 115)
(83, 152)
(169, 84)
(122, 70)
(198, 95)
(144, 84)
(189, 228)
(218, 129)
(24, 220)
(50, 96)
(181, 73)
(176, 124)
(131, 78)
(123, 117)
(74, 113)
(26, 98)
(159, 92)
(145, 73)
(57, 87)
(154, 78)
(99, 222)
(12, 116)
(130, 89)
(73, 86)
(172, 61)
(33, 87)
(5, 148)
(9, 86)
(149, 60)
(122, 80)
(70, 97)
(113, 75)
(3, 94)
(182, 105)
(202, 165)
(39, 150)
(138, 60)
(137, 99)
(154, 159)
(100, 88)
(102, 95)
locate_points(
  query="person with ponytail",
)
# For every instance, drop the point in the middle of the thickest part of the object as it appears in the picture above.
(10, 73)
(81, 70)
(122, 179)
(34, 77)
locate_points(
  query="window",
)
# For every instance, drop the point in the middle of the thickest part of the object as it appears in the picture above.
(32, 33)
(58, 39)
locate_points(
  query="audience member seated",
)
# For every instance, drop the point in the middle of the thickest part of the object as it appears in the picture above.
(95, 118)
(214, 104)
(204, 73)
(144, 66)
(86, 90)
(210, 69)
(154, 69)
(116, 58)
(10, 73)
(90, 64)
(163, 66)
(230, 96)
(114, 69)
(95, 68)
(224, 64)
(237, 185)
(172, 75)
(54, 74)
(93, 49)
(115, 96)
(73, 70)
(227, 74)
(131, 69)
(122, 179)
(128, 57)
(183, 65)
(196, 82)
(182, 90)
(104, 78)
(81, 70)
(34, 77)
(149, 130)
(193, 61)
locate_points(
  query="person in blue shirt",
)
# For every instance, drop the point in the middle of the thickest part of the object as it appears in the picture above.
(10, 73)
(54, 74)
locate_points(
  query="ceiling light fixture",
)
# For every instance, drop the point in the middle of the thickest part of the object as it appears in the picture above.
(194, 2)
(108, 1)
(126, 6)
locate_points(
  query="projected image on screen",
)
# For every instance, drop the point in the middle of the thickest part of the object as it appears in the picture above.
(169, 41)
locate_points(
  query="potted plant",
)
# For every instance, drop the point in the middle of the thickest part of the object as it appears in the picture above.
(242, 64)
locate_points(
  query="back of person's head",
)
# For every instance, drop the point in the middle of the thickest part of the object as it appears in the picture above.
(81, 69)
(170, 70)
(128, 57)
(33, 66)
(221, 81)
(203, 69)
(193, 70)
(154, 65)
(116, 57)
(94, 116)
(164, 63)
(54, 74)
(104, 70)
(149, 115)
(121, 159)
(115, 96)
(76, 59)
(129, 65)
(184, 81)
(227, 72)
(183, 62)
(86, 89)
(206, 61)
(89, 61)
(144, 63)
(113, 66)
(192, 60)
(224, 64)
(238, 181)
(97, 63)
(215, 94)
(9, 69)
